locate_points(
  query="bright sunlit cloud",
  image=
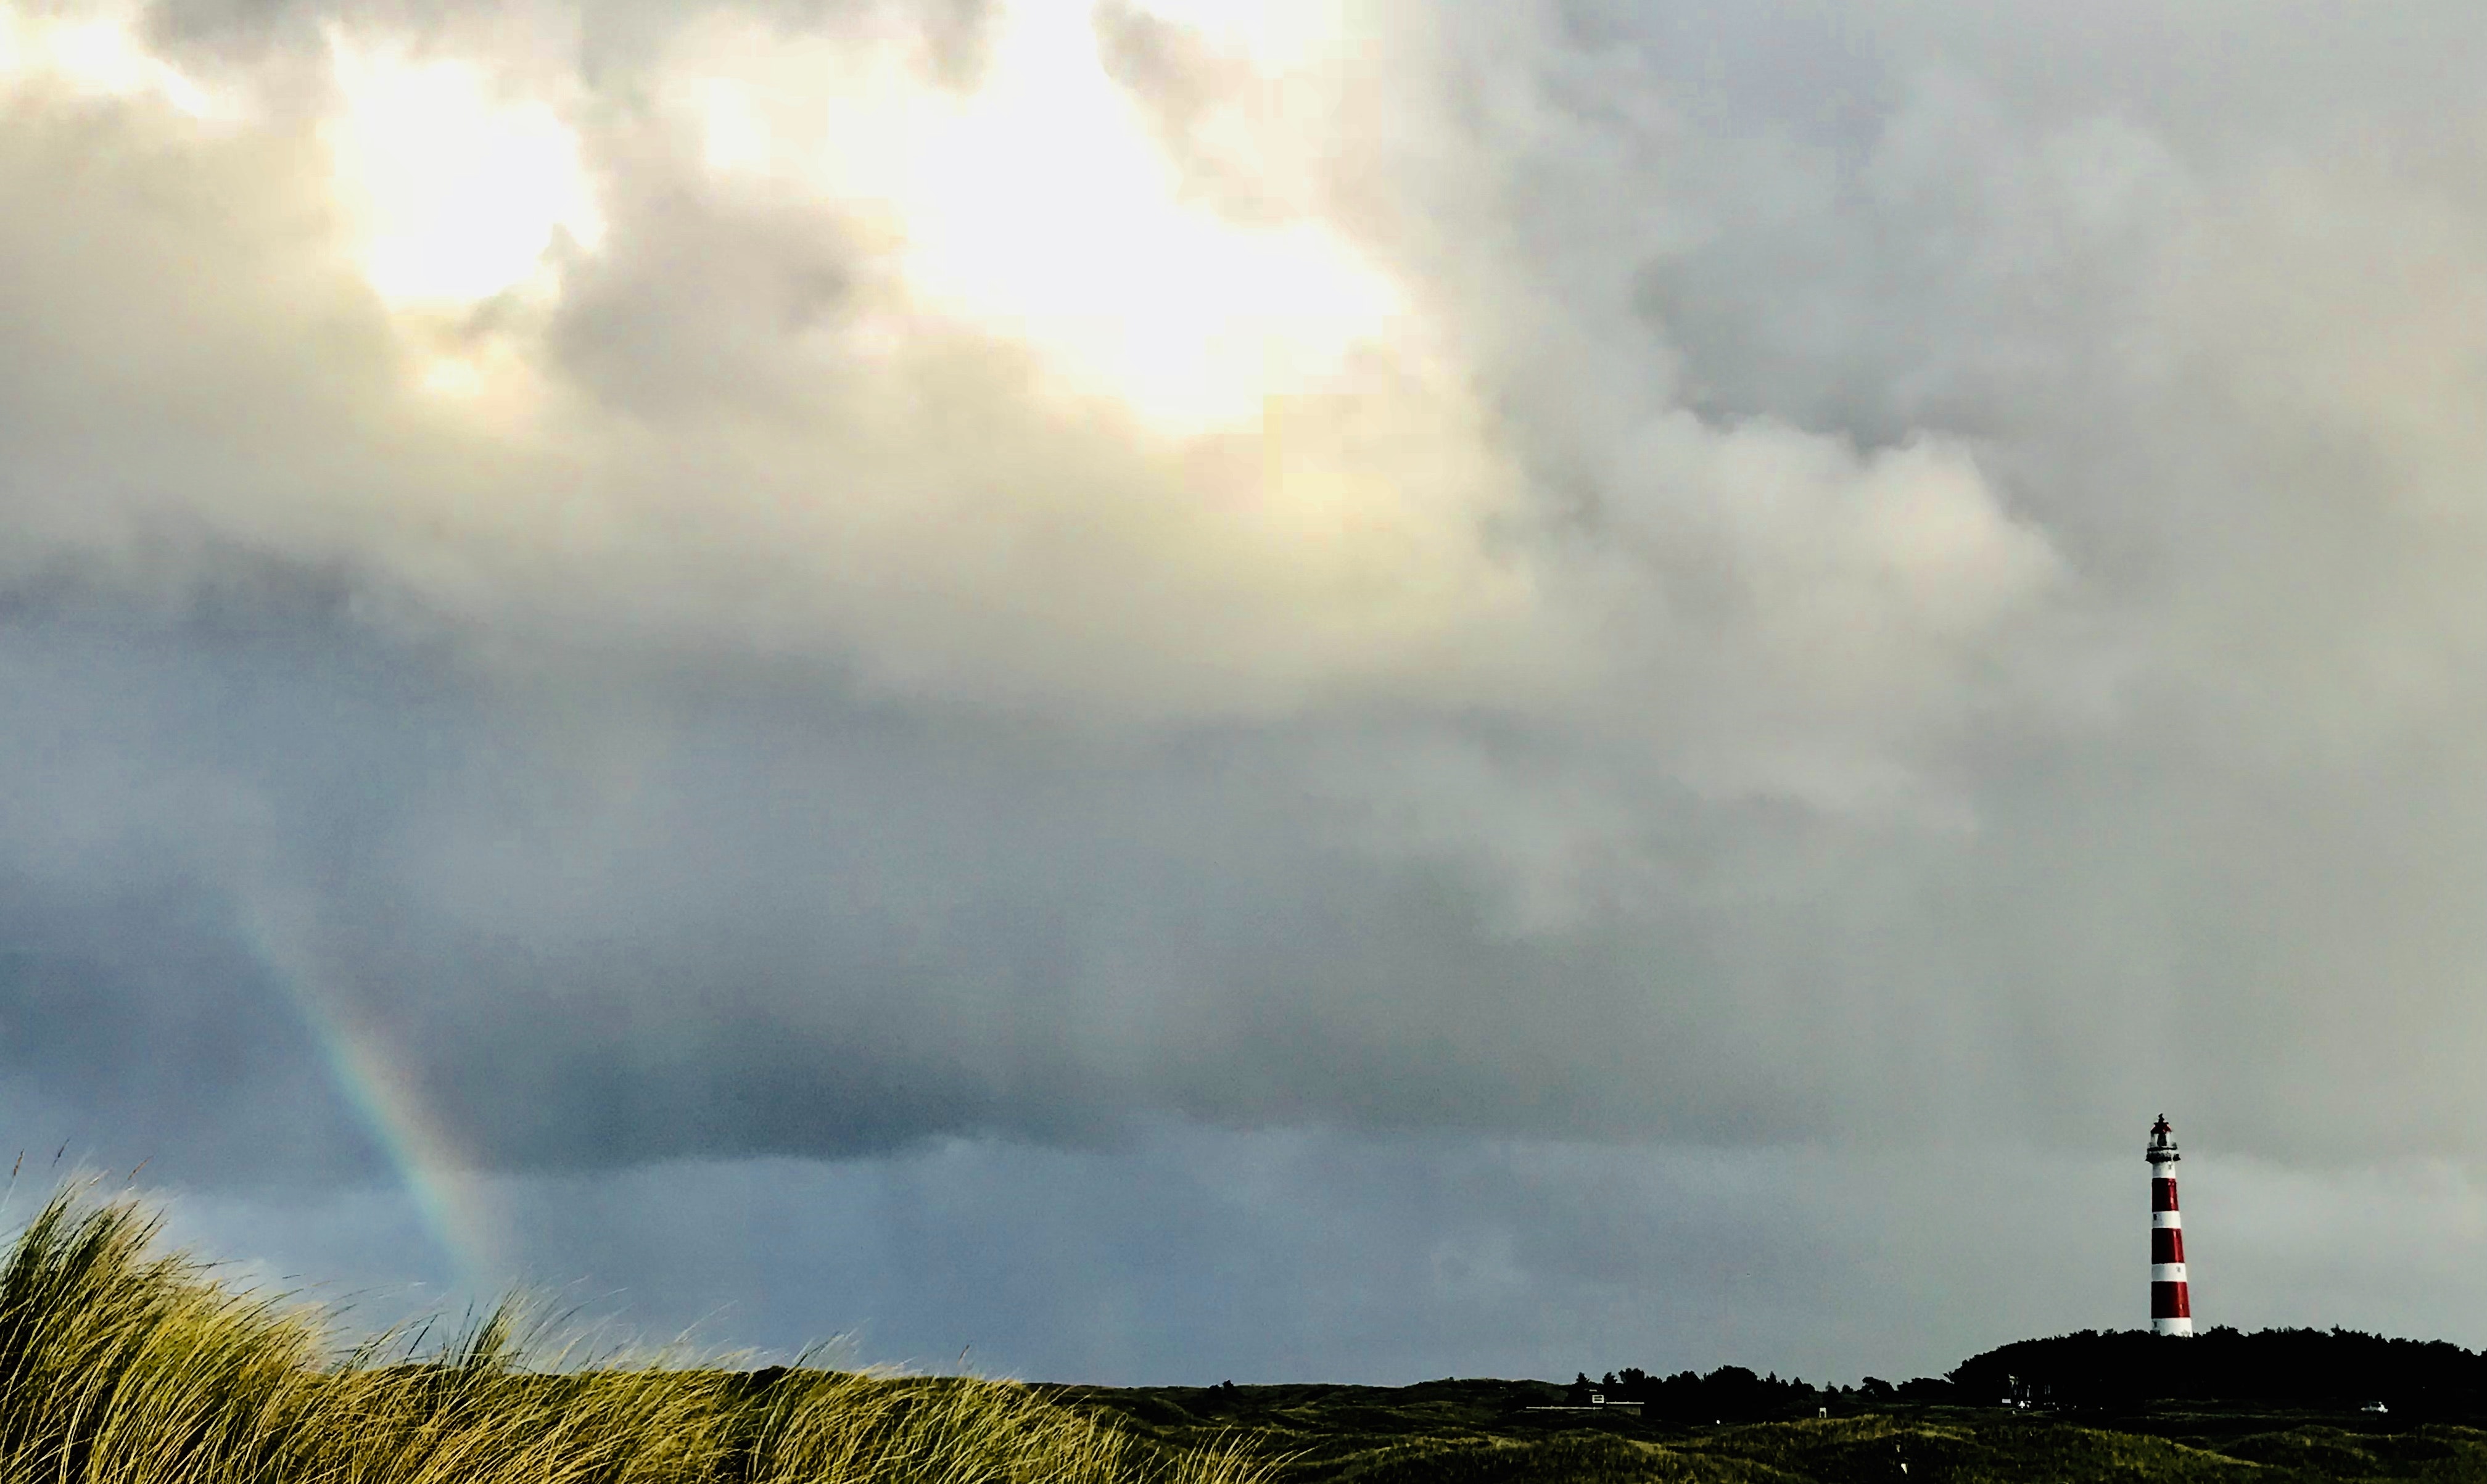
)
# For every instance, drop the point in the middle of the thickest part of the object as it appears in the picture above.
(99, 54)
(1039, 206)
(1274, 34)
(735, 137)
(458, 191)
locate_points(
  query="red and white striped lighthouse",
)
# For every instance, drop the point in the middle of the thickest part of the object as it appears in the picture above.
(2171, 1304)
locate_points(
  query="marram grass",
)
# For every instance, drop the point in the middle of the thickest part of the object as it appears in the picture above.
(121, 1364)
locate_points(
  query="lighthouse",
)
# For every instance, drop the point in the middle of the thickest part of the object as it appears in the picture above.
(2171, 1305)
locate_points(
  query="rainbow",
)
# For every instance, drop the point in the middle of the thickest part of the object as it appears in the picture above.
(448, 1195)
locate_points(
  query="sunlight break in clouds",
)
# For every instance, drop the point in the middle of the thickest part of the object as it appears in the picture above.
(460, 193)
(1037, 206)
(98, 54)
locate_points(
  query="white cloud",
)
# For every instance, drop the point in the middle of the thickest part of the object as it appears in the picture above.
(459, 195)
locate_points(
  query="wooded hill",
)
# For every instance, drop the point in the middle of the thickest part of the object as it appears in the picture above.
(2339, 1369)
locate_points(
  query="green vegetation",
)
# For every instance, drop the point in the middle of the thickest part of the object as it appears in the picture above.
(1478, 1432)
(122, 1365)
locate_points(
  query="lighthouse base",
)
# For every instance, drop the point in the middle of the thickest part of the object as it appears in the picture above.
(2182, 1325)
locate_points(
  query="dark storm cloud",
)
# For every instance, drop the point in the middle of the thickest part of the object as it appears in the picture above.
(161, 769)
(1942, 596)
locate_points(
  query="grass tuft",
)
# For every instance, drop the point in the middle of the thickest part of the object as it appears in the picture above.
(121, 1364)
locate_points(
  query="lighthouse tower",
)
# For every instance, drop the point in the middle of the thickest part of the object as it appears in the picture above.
(2171, 1305)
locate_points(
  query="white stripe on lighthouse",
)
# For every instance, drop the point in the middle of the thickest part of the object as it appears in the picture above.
(2168, 1272)
(2168, 1220)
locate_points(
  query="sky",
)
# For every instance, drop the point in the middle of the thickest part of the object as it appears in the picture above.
(1344, 690)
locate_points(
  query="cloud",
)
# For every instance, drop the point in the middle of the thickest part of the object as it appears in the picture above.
(770, 428)
(1830, 597)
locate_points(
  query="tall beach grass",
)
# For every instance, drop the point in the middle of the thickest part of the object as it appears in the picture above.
(122, 1363)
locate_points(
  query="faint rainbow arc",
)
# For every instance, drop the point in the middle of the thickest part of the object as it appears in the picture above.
(447, 1197)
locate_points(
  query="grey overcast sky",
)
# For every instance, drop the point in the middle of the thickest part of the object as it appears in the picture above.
(1331, 690)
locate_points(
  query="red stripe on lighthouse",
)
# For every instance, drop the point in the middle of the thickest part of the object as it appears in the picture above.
(2166, 1245)
(2162, 1194)
(2170, 1300)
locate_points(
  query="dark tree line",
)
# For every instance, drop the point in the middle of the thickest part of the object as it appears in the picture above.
(1731, 1393)
(2107, 1371)
(2336, 1368)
